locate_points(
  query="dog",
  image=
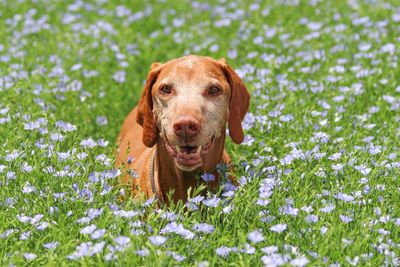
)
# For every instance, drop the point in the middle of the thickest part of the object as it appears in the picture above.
(177, 130)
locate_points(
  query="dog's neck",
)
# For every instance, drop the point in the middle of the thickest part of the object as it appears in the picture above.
(170, 177)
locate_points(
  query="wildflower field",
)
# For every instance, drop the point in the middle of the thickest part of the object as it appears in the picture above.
(318, 170)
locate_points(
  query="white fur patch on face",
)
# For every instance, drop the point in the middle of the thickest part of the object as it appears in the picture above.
(189, 98)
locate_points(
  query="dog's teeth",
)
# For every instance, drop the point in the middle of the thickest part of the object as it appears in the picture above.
(198, 149)
(178, 148)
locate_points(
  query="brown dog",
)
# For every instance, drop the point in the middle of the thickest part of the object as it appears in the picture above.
(177, 131)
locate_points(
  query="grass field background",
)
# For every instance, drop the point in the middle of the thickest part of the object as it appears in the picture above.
(318, 171)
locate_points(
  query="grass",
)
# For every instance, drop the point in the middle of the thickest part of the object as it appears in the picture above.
(322, 135)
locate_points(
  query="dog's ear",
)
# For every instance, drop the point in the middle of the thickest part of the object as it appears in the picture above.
(145, 108)
(239, 102)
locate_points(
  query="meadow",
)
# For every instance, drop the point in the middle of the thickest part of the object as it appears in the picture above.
(319, 168)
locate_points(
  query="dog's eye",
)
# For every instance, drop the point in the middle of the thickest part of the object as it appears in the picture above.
(166, 89)
(214, 90)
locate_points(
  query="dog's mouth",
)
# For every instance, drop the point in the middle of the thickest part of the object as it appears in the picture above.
(189, 157)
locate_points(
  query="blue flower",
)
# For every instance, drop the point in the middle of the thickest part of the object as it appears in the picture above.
(223, 251)
(204, 227)
(255, 237)
(30, 256)
(157, 240)
(212, 202)
(51, 245)
(208, 177)
(122, 240)
(279, 228)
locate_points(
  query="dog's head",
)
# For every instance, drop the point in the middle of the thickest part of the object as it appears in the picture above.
(187, 102)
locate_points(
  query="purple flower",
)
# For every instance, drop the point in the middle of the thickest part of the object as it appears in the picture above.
(311, 219)
(149, 202)
(28, 188)
(212, 202)
(204, 227)
(196, 199)
(119, 76)
(122, 240)
(208, 177)
(56, 137)
(65, 126)
(90, 143)
(175, 256)
(279, 228)
(30, 256)
(323, 230)
(88, 229)
(126, 213)
(98, 233)
(26, 167)
(173, 227)
(248, 249)
(270, 249)
(51, 245)
(94, 213)
(255, 237)
(12, 156)
(328, 208)
(86, 249)
(43, 225)
(6, 233)
(227, 209)
(300, 261)
(97, 248)
(11, 175)
(344, 197)
(157, 240)
(274, 260)
(223, 251)
(25, 235)
(143, 252)
(101, 120)
(263, 202)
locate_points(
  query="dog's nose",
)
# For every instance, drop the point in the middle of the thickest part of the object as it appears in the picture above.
(185, 127)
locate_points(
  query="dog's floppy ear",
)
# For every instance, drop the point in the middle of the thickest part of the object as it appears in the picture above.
(239, 102)
(145, 108)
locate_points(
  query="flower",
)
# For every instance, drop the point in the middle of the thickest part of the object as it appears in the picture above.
(328, 208)
(208, 177)
(212, 202)
(28, 188)
(300, 261)
(122, 240)
(101, 120)
(270, 249)
(204, 228)
(157, 240)
(88, 229)
(255, 237)
(51, 245)
(143, 252)
(311, 219)
(173, 227)
(119, 76)
(30, 256)
(223, 251)
(279, 228)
